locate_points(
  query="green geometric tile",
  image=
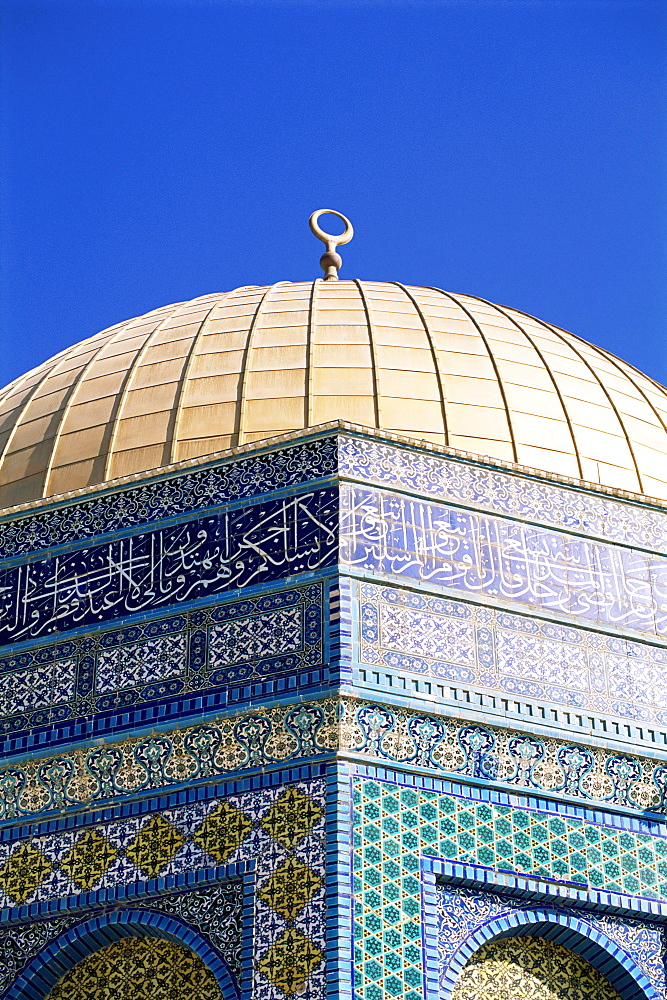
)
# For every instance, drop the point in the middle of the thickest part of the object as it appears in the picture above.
(397, 825)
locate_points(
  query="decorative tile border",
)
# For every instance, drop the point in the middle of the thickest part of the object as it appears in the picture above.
(182, 493)
(439, 545)
(405, 738)
(117, 771)
(515, 495)
(273, 735)
(517, 655)
(224, 646)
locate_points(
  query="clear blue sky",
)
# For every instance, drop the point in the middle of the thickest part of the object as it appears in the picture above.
(155, 151)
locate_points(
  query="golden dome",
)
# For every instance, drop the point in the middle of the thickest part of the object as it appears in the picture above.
(228, 369)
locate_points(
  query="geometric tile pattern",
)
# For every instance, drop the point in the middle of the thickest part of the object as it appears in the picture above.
(282, 829)
(89, 858)
(23, 872)
(113, 771)
(228, 644)
(527, 968)
(289, 962)
(474, 553)
(292, 885)
(250, 638)
(223, 830)
(526, 657)
(394, 825)
(139, 968)
(463, 911)
(290, 918)
(419, 471)
(128, 666)
(292, 813)
(124, 851)
(155, 845)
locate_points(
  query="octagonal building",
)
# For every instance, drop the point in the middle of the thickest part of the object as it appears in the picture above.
(333, 648)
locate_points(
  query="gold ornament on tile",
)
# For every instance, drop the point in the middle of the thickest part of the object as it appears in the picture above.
(89, 858)
(155, 845)
(139, 968)
(223, 831)
(291, 887)
(290, 961)
(23, 872)
(291, 817)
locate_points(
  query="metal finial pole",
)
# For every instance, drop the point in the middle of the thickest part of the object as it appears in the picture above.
(330, 261)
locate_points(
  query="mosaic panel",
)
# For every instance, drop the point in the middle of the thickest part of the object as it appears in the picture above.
(281, 829)
(365, 458)
(394, 826)
(275, 735)
(139, 968)
(500, 559)
(462, 911)
(502, 493)
(138, 663)
(40, 686)
(245, 477)
(522, 656)
(228, 644)
(116, 770)
(215, 911)
(526, 968)
(520, 759)
(257, 544)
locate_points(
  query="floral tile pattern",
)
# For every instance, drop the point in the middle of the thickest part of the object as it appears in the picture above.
(516, 654)
(114, 771)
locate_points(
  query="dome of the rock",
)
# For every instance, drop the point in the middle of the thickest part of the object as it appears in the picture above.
(231, 368)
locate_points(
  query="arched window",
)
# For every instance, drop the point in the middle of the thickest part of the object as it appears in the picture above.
(127, 955)
(530, 968)
(139, 966)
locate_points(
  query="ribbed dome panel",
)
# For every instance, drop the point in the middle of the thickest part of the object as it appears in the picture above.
(231, 368)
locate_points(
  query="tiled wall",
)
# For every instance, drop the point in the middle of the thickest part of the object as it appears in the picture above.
(519, 655)
(118, 678)
(144, 853)
(176, 564)
(514, 495)
(117, 771)
(307, 730)
(397, 824)
(440, 545)
(462, 911)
